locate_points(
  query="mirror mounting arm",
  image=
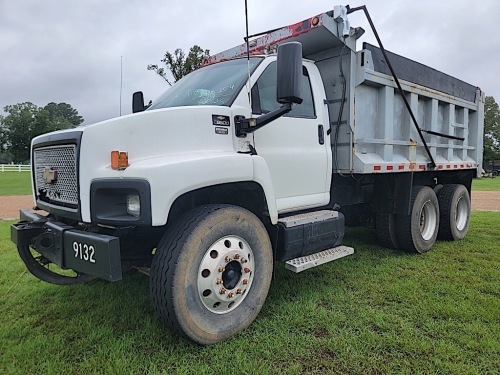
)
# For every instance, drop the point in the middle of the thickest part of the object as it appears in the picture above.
(249, 125)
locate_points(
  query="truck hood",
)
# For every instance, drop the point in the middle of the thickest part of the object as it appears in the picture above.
(159, 133)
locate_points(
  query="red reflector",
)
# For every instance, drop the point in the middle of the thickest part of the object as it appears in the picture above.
(390, 167)
(440, 167)
(401, 167)
(422, 167)
(377, 168)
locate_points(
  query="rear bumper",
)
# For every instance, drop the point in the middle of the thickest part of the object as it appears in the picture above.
(84, 252)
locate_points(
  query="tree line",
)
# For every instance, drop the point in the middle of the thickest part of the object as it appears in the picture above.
(24, 121)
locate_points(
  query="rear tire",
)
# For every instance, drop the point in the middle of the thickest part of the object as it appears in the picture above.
(454, 208)
(211, 273)
(386, 230)
(418, 231)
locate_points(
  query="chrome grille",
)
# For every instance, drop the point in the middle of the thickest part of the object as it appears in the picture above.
(63, 189)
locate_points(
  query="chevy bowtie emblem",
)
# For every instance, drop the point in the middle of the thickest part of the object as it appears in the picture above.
(49, 175)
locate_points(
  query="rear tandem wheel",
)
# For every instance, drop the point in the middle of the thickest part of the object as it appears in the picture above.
(418, 231)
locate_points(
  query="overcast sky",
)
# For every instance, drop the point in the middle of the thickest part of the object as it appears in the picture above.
(69, 51)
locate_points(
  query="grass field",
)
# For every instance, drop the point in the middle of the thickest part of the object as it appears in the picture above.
(379, 311)
(15, 183)
(486, 184)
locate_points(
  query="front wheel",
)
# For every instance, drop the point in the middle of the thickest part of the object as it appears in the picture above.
(211, 273)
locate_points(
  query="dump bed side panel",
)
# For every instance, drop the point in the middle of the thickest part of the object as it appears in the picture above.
(378, 135)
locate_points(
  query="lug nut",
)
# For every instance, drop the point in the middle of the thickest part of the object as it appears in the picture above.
(244, 281)
(227, 259)
(218, 281)
(238, 291)
(230, 295)
(243, 260)
(246, 269)
(221, 269)
(236, 256)
(222, 291)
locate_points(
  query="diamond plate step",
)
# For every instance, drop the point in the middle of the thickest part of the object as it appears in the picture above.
(303, 263)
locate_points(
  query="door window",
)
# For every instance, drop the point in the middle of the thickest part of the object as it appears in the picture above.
(264, 95)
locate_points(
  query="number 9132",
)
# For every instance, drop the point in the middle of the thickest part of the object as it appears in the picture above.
(84, 252)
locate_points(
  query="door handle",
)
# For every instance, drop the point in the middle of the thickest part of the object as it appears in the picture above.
(321, 135)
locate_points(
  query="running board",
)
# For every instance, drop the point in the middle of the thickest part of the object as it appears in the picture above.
(303, 263)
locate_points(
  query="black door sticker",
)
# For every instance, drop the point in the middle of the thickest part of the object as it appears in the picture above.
(220, 120)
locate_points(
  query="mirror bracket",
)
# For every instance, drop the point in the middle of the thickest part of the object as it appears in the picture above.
(249, 125)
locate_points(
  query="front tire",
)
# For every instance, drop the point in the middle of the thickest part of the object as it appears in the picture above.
(454, 208)
(211, 273)
(418, 231)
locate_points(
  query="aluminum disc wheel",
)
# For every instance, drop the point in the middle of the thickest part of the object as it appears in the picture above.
(225, 274)
(211, 273)
(428, 220)
(417, 232)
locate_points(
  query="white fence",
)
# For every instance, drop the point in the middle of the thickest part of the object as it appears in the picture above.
(14, 168)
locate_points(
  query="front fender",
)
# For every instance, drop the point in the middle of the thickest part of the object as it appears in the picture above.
(174, 175)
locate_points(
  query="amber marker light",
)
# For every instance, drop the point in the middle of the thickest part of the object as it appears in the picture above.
(119, 160)
(315, 21)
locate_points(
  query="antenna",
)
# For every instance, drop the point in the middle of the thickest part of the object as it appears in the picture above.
(121, 82)
(249, 88)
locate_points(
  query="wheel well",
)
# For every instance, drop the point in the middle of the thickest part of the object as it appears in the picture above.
(248, 195)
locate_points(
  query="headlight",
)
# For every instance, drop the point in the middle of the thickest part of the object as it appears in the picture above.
(133, 205)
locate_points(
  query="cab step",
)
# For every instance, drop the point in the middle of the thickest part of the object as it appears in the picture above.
(303, 263)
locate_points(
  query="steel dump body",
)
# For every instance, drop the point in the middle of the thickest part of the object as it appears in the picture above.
(379, 132)
(376, 133)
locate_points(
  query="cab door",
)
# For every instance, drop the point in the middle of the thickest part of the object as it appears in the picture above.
(296, 146)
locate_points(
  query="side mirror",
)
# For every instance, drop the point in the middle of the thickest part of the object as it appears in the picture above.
(288, 89)
(289, 80)
(137, 102)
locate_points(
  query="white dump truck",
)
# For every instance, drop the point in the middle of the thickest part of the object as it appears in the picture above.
(263, 155)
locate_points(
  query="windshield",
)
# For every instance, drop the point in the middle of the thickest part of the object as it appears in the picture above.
(216, 84)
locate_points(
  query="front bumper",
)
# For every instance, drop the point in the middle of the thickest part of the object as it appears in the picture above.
(89, 253)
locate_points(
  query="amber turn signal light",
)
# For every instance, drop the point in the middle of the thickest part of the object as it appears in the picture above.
(119, 160)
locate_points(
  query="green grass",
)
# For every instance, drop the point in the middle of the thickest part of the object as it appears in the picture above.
(486, 184)
(379, 311)
(15, 183)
